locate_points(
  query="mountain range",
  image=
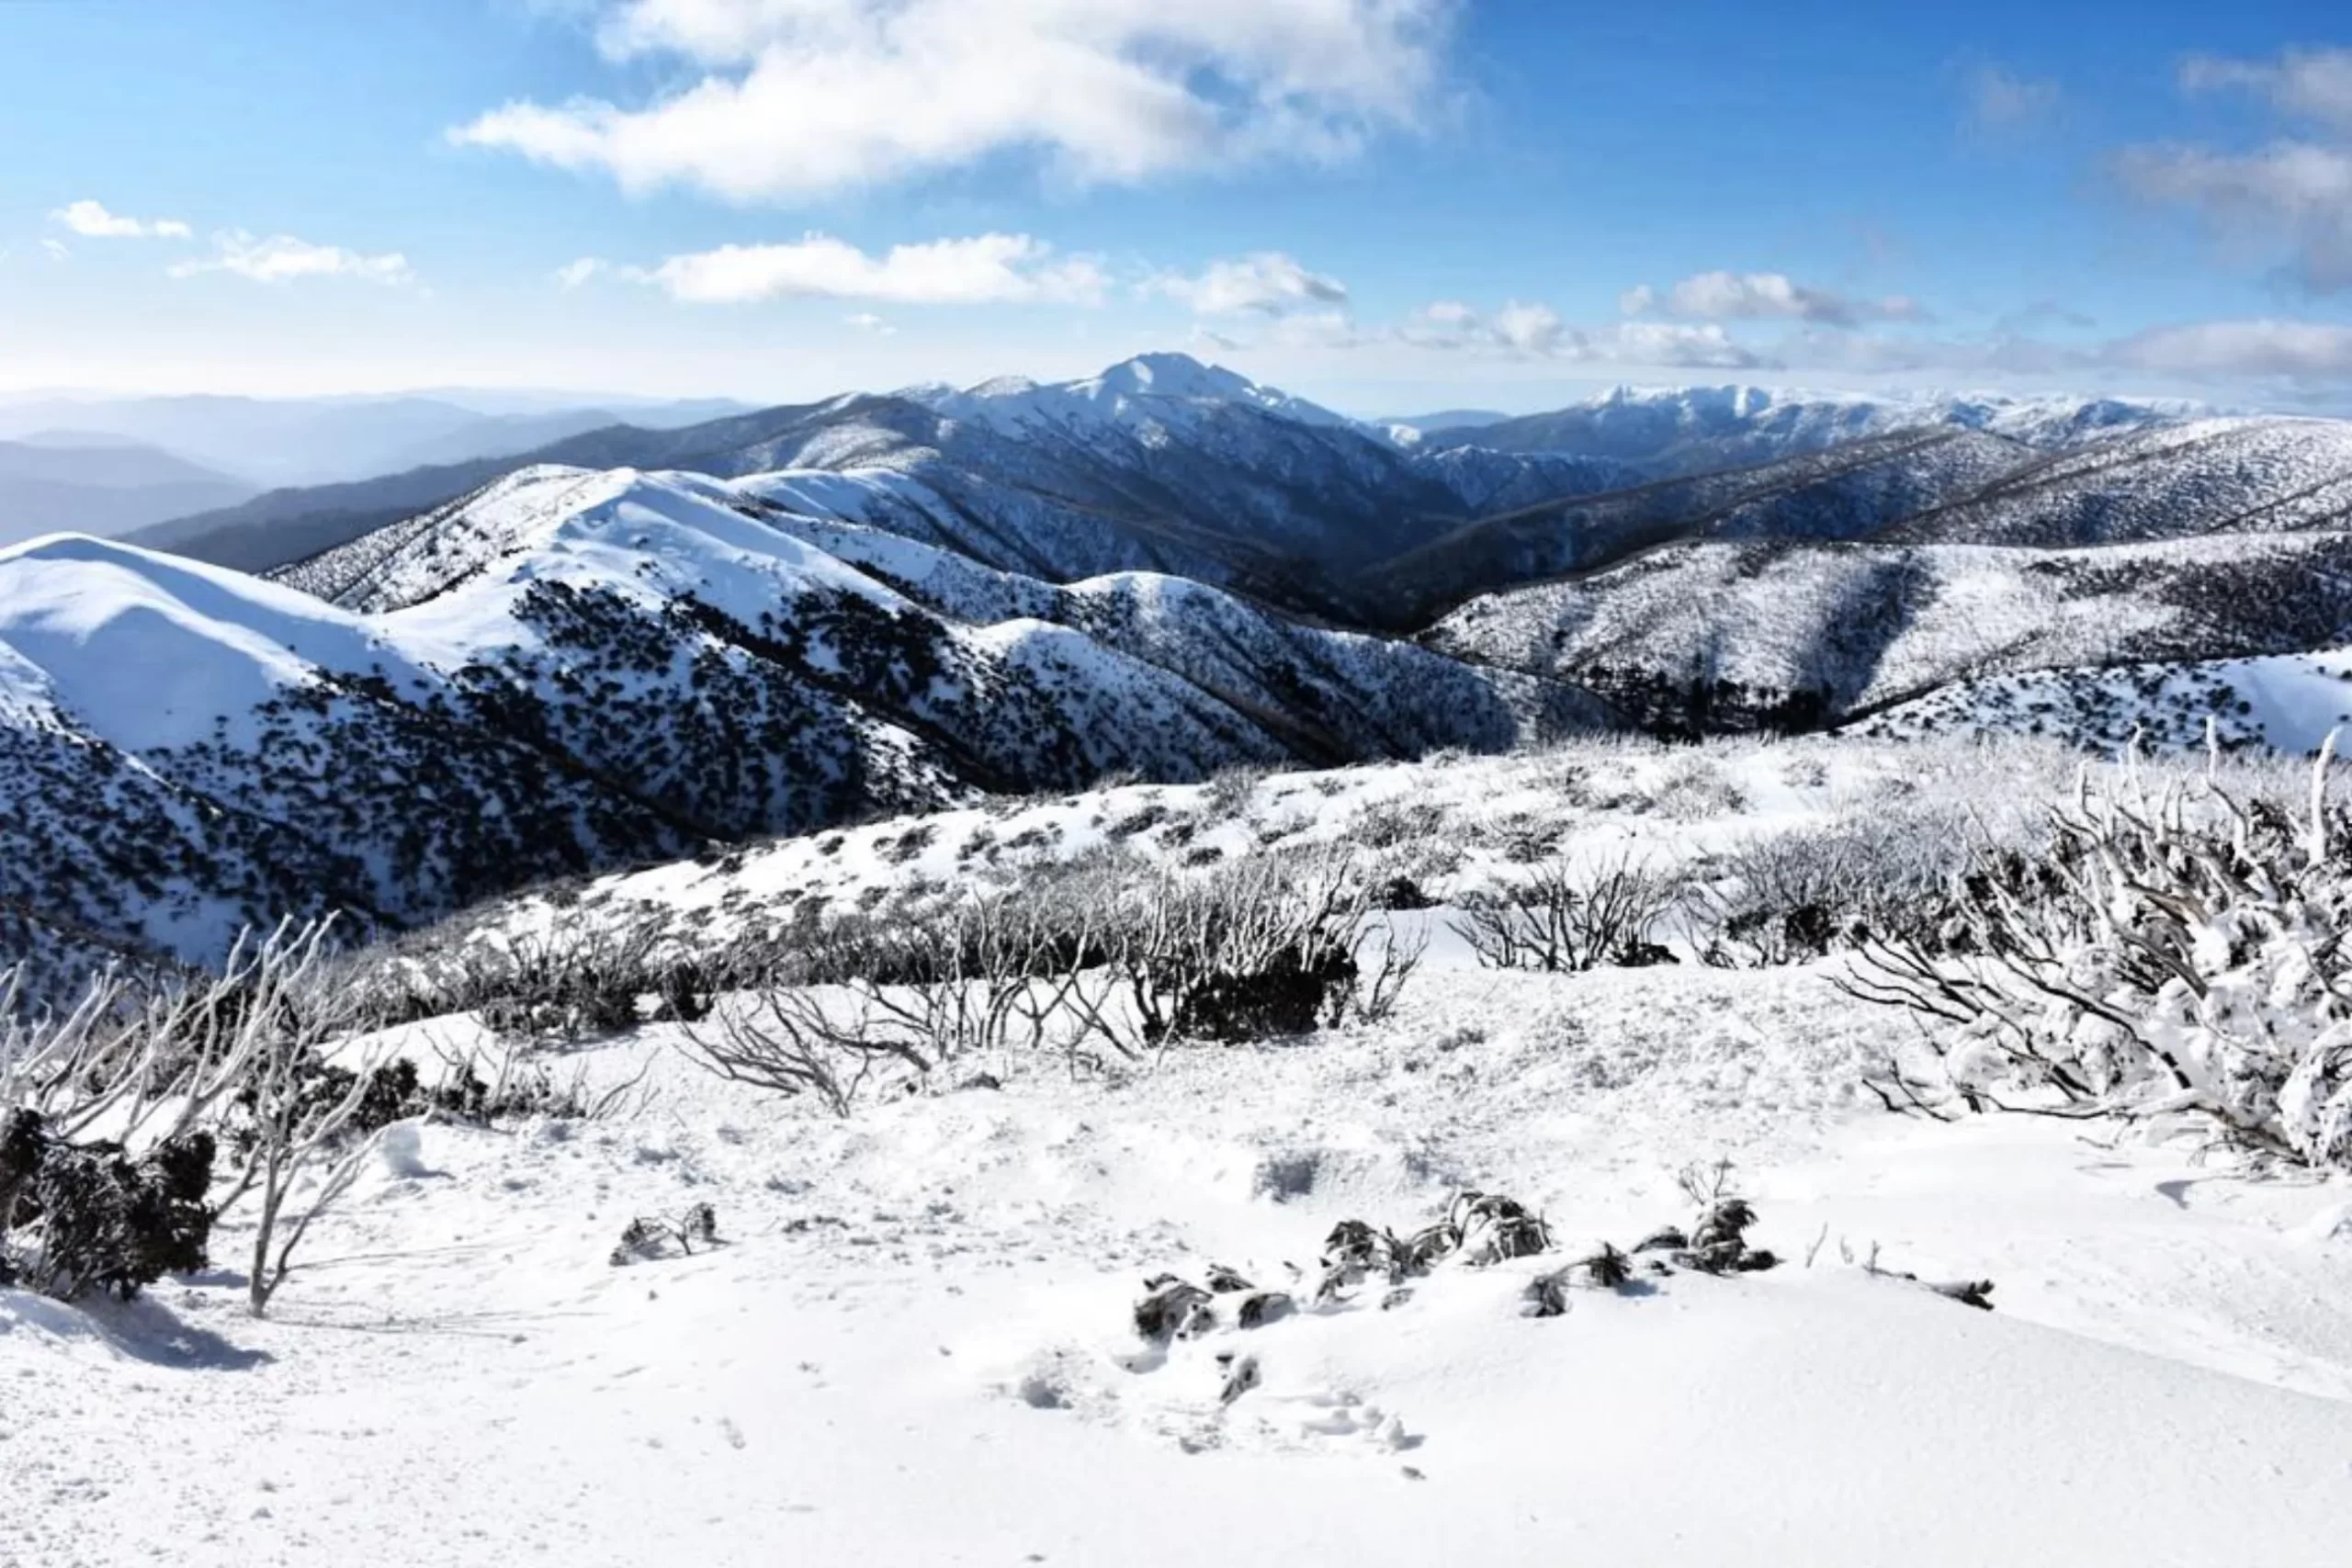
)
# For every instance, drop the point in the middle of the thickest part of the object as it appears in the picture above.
(633, 644)
(271, 441)
(54, 481)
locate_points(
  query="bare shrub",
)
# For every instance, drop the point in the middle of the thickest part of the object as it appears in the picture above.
(1694, 788)
(242, 1048)
(1560, 918)
(1392, 824)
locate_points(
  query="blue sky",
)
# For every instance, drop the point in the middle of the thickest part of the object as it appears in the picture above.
(1389, 204)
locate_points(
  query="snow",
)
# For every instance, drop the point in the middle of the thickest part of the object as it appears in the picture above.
(1149, 390)
(149, 649)
(2289, 703)
(914, 1346)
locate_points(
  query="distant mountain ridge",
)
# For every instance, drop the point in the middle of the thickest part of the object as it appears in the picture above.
(87, 482)
(280, 442)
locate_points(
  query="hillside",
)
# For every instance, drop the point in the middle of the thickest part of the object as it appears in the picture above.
(942, 1278)
(579, 668)
(1794, 633)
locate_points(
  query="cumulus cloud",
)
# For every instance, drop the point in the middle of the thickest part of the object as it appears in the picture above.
(867, 321)
(1268, 283)
(2001, 101)
(281, 258)
(1752, 296)
(986, 269)
(793, 100)
(92, 222)
(2294, 193)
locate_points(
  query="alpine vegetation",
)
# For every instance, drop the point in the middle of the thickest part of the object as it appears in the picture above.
(2174, 953)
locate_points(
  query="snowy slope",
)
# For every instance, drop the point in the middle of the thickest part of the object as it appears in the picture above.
(1851, 491)
(914, 1346)
(1721, 634)
(1675, 431)
(2287, 703)
(1158, 396)
(2206, 476)
(577, 669)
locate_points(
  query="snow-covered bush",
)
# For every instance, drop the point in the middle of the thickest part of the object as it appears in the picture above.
(1563, 917)
(1096, 960)
(1271, 945)
(562, 986)
(76, 1218)
(2181, 954)
(1799, 894)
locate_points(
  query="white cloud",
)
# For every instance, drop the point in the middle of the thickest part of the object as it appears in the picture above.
(1529, 329)
(281, 258)
(1268, 283)
(2311, 84)
(1679, 344)
(1751, 296)
(1525, 330)
(2258, 347)
(92, 222)
(1319, 329)
(984, 270)
(792, 100)
(867, 321)
(2298, 193)
(2294, 193)
(574, 274)
(56, 248)
(1999, 100)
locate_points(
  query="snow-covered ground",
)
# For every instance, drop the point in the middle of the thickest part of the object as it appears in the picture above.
(914, 1348)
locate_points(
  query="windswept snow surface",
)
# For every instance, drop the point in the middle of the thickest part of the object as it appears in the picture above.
(914, 1350)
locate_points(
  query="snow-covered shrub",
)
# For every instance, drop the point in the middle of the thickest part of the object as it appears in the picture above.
(76, 1218)
(1230, 791)
(1560, 917)
(2184, 954)
(585, 980)
(1696, 786)
(1800, 894)
(1266, 946)
(649, 1235)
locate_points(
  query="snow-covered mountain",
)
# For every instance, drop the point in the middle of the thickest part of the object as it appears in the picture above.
(581, 667)
(1686, 430)
(2286, 702)
(786, 618)
(1788, 633)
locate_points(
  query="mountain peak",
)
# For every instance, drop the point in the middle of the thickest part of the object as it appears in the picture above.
(1172, 375)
